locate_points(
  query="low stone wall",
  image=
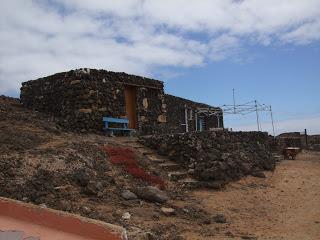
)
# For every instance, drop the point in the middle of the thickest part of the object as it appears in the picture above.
(216, 156)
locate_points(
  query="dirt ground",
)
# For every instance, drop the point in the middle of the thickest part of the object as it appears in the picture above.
(285, 205)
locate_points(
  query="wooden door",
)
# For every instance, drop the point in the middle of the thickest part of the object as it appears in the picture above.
(131, 107)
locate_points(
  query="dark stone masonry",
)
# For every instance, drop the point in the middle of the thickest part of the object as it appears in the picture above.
(79, 99)
(216, 155)
(181, 110)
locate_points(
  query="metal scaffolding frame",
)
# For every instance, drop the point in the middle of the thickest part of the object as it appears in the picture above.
(247, 108)
(233, 109)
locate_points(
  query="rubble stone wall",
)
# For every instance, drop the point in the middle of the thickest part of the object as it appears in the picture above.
(78, 99)
(314, 142)
(285, 142)
(297, 139)
(216, 155)
(176, 115)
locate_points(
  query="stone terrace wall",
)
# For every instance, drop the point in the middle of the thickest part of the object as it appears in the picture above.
(176, 115)
(216, 156)
(80, 98)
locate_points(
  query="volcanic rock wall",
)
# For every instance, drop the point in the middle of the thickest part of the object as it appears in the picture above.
(314, 142)
(176, 115)
(216, 156)
(78, 99)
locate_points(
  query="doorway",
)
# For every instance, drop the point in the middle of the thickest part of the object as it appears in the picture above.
(201, 124)
(131, 108)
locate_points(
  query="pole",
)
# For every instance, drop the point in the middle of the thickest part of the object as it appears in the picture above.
(306, 137)
(186, 117)
(234, 102)
(196, 120)
(257, 114)
(274, 134)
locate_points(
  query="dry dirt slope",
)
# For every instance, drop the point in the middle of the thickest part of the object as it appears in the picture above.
(40, 163)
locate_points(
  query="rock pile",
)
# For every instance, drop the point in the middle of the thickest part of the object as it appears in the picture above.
(216, 156)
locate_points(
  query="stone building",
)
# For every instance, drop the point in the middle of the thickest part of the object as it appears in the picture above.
(78, 100)
(191, 116)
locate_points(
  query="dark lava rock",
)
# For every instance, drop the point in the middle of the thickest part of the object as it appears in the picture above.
(128, 195)
(249, 237)
(207, 221)
(93, 188)
(152, 194)
(81, 177)
(213, 185)
(258, 174)
(220, 218)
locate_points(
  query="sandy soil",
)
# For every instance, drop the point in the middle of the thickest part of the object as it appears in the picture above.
(285, 205)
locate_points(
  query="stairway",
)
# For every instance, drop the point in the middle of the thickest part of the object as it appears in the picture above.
(174, 171)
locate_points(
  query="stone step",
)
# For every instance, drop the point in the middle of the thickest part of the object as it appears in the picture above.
(189, 183)
(128, 140)
(139, 148)
(175, 176)
(147, 152)
(157, 160)
(170, 166)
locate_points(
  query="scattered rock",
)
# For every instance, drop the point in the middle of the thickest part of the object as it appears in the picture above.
(156, 216)
(43, 205)
(220, 218)
(85, 210)
(258, 174)
(167, 211)
(65, 205)
(126, 216)
(81, 177)
(229, 234)
(128, 195)
(249, 237)
(213, 185)
(207, 221)
(149, 236)
(152, 194)
(92, 188)
(176, 237)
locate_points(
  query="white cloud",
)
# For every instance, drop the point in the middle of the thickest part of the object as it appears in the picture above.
(39, 38)
(304, 34)
(223, 46)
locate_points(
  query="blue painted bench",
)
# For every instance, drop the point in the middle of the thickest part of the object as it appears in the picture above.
(123, 122)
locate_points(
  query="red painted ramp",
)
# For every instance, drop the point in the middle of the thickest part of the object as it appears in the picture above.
(21, 221)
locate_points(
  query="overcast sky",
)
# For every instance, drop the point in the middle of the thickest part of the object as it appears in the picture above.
(267, 50)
